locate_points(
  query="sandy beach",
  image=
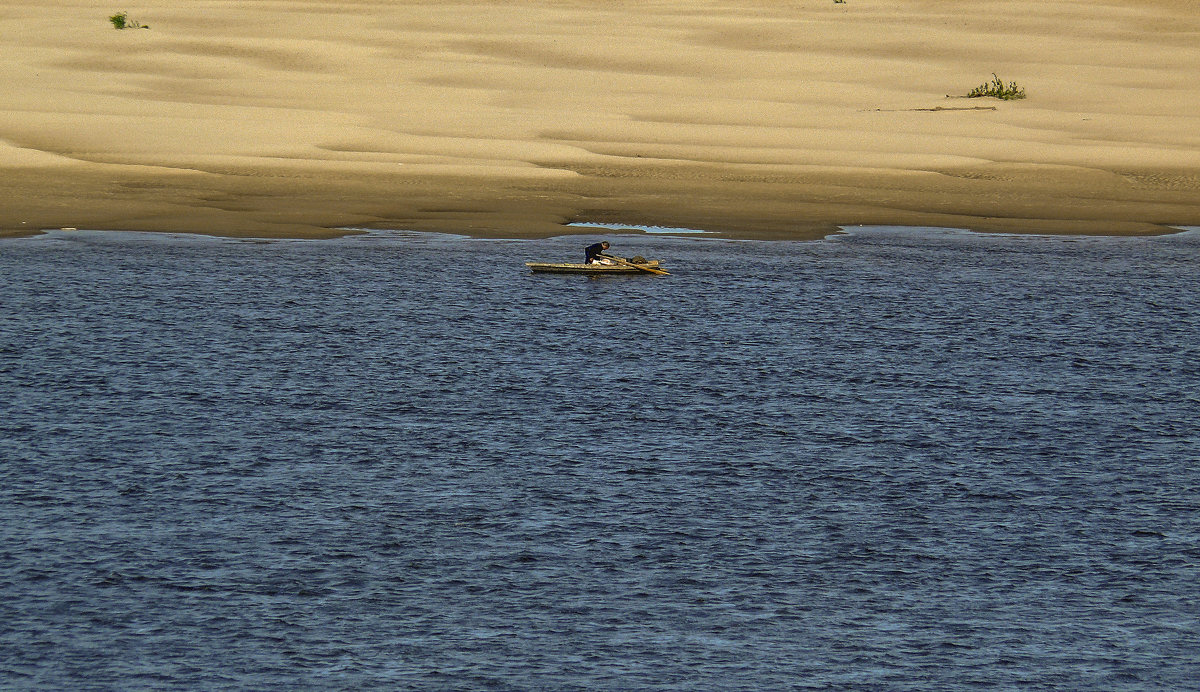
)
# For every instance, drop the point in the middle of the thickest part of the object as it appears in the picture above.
(753, 118)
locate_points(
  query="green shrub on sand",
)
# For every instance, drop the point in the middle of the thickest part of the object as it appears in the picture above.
(121, 20)
(998, 89)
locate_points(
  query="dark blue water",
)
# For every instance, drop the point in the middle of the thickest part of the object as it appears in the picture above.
(894, 460)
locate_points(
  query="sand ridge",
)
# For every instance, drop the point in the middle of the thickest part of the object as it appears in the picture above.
(750, 117)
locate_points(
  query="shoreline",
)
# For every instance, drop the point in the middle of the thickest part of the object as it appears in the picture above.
(597, 231)
(753, 120)
(789, 206)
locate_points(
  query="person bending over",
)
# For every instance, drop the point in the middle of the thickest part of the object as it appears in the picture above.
(594, 253)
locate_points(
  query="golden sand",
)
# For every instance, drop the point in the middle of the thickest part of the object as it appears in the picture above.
(756, 118)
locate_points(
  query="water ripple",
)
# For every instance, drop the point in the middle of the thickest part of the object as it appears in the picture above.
(894, 459)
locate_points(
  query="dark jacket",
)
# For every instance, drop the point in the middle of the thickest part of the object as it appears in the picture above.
(592, 252)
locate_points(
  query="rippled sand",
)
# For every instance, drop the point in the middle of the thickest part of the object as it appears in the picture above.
(757, 118)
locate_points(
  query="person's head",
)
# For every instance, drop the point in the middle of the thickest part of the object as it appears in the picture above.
(604, 244)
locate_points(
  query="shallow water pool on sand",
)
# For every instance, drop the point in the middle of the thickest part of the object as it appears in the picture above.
(657, 230)
(893, 459)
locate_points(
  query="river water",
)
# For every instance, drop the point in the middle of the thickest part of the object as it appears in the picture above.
(902, 459)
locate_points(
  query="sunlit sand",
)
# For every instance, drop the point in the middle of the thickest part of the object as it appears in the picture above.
(752, 118)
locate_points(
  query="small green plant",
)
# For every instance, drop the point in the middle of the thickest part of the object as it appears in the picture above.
(121, 20)
(998, 89)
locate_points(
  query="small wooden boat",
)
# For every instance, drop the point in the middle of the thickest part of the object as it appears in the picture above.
(622, 267)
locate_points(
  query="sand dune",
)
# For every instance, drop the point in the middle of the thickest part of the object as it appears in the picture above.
(756, 118)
